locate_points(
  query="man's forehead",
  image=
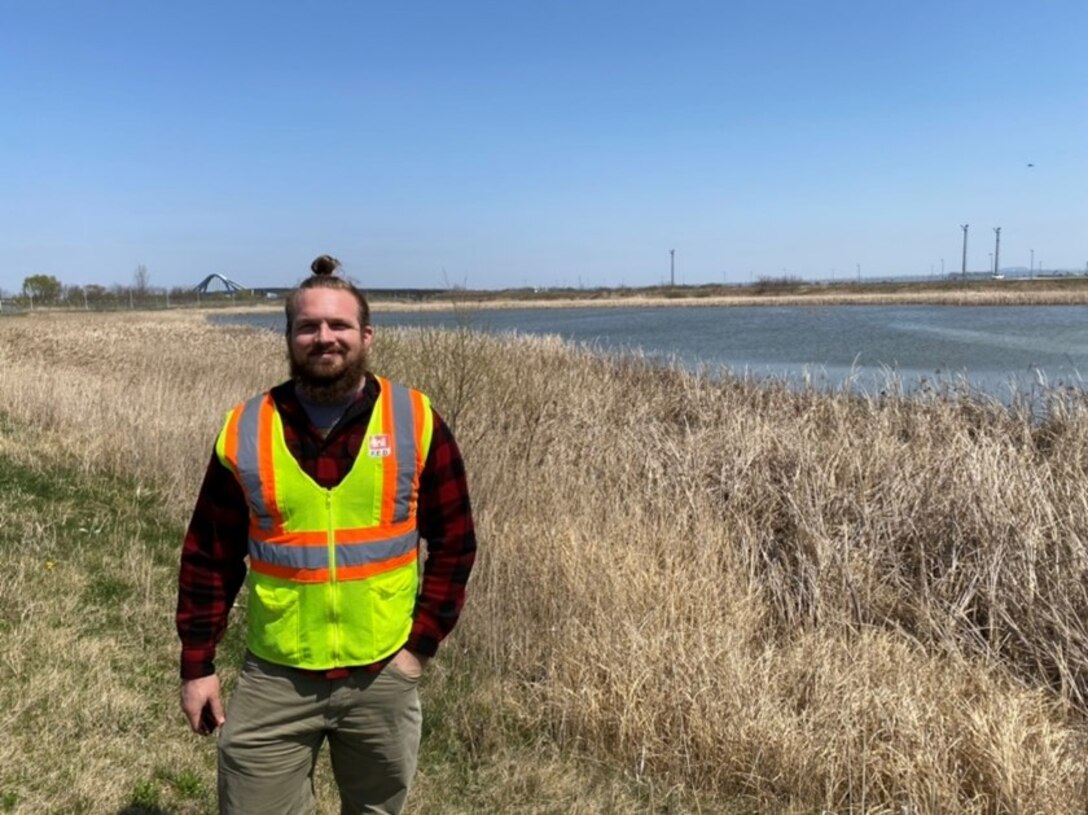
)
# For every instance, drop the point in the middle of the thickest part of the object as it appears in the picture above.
(327, 304)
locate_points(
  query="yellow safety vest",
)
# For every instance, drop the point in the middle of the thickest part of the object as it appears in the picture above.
(333, 573)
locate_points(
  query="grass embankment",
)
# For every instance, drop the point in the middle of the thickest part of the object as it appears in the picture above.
(793, 602)
(86, 696)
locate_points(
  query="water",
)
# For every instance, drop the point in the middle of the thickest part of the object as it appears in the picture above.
(995, 349)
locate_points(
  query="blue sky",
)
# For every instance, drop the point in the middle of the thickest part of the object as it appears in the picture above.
(492, 144)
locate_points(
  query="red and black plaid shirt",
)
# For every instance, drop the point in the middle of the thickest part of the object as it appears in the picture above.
(213, 556)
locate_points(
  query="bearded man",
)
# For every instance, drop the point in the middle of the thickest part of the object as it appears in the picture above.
(325, 483)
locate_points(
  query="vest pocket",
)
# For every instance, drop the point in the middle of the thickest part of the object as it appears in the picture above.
(273, 614)
(394, 603)
(377, 614)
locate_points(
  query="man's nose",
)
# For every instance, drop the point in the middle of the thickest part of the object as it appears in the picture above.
(324, 333)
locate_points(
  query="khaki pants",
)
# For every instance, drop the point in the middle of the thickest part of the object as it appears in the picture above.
(277, 720)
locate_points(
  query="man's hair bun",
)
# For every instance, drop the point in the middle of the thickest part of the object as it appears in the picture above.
(325, 265)
(324, 277)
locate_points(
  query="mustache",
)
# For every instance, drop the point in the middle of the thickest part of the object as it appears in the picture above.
(324, 348)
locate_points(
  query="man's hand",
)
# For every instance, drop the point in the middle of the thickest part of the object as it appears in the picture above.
(201, 704)
(409, 664)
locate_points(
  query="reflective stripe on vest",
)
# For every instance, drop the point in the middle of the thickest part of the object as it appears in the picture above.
(397, 436)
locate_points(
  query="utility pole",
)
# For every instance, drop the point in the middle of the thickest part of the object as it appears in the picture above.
(1031, 268)
(997, 249)
(672, 267)
(963, 269)
(942, 267)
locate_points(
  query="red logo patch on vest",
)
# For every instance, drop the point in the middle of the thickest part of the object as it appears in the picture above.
(379, 446)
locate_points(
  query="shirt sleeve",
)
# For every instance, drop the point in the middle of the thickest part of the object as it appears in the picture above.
(445, 522)
(212, 568)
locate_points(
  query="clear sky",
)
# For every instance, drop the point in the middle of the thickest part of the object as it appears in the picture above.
(492, 144)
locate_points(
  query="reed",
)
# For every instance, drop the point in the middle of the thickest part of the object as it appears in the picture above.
(803, 601)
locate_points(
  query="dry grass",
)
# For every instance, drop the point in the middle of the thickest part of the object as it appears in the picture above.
(799, 601)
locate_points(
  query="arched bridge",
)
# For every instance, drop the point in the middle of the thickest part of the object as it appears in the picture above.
(228, 284)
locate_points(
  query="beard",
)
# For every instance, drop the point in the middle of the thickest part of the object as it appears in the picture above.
(327, 381)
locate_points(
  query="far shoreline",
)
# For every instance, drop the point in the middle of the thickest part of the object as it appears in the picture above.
(1039, 295)
(970, 297)
(1038, 292)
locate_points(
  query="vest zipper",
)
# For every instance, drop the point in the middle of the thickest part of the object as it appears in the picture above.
(334, 589)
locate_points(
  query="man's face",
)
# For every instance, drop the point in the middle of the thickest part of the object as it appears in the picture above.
(326, 346)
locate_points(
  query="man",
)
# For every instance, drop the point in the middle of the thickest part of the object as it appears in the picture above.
(326, 483)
